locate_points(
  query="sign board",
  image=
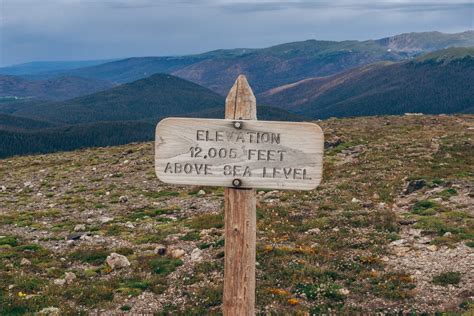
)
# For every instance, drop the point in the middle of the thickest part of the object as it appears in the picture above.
(242, 153)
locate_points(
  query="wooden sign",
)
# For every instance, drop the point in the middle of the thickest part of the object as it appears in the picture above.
(239, 153)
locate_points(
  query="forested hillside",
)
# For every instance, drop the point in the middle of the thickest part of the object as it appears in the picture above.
(441, 82)
(153, 97)
(59, 88)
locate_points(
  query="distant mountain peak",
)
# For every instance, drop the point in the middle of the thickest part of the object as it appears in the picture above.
(426, 41)
(447, 55)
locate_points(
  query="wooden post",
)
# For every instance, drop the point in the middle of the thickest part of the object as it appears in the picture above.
(240, 220)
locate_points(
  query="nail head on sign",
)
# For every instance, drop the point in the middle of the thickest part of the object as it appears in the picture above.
(236, 183)
(237, 124)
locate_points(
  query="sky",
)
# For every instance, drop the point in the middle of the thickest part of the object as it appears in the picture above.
(32, 30)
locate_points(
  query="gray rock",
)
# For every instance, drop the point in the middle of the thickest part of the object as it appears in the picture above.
(314, 231)
(123, 199)
(177, 253)
(50, 311)
(196, 255)
(201, 193)
(160, 249)
(414, 185)
(25, 262)
(424, 240)
(398, 243)
(69, 277)
(79, 227)
(3, 188)
(331, 143)
(75, 236)
(105, 219)
(59, 282)
(117, 261)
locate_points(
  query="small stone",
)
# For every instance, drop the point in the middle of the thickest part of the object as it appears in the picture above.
(424, 240)
(177, 253)
(407, 221)
(85, 237)
(331, 143)
(414, 232)
(117, 261)
(271, 194)
(398, 243)
(447, 234)
(196, 255)
(375, 196)
(50, 311)
(344, 291)
(206, 232)
(354, 200)
(79, 227)
(3, 188)
(123, 199)
(69, 277)
(129, 225)
(401, 251)
(25, 262)
(74, 236)
(160, 249)
(414, 185)
(59, 282)
(335, 229)
(105, 219)
(368, 204)
(313, 231)
(432, 248)
(201, 193)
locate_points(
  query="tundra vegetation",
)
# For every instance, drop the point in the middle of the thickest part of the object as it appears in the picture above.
(390, 229)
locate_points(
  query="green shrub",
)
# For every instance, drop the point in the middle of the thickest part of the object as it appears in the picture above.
(425, 207)
(9, 240)
(164, 265)
(447, 278)
(90, 255)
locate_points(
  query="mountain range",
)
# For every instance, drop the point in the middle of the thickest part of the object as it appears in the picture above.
(439, 82)
(121, 101)
(269, 67)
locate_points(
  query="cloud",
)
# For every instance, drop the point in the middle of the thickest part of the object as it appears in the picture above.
(253, 6)
(101, 29)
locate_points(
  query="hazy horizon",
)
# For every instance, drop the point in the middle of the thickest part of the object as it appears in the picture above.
(65, 30)
(200, 52)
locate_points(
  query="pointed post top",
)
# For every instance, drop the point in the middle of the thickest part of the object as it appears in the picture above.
(240, 102)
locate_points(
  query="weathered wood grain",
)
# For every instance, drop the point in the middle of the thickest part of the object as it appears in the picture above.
(279, 155)
(240, 220)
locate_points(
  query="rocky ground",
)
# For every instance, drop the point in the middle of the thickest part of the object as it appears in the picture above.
(390, 229)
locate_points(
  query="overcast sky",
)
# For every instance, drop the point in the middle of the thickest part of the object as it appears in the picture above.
(99, 29)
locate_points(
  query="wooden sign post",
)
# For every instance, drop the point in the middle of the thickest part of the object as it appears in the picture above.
(240, 154)
(240, 219)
